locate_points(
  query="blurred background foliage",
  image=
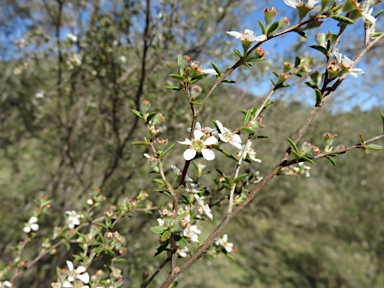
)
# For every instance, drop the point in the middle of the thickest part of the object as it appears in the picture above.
(66, 129)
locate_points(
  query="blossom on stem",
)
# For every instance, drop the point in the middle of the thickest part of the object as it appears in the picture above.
(249, 152)
(31, 225)
(79, 274)
(178, 173)
(347, 63)
(200, 70)
(199, 146)
(247, 36)
(296, 3)
(191, 231)
(73, 219)
(204, 207)
(208, 131)
(227, 136)
(223, 242)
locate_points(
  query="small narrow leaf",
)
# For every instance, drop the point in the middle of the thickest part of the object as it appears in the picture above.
(159, 181)
(320, 48)
(216, 68)
(229, 181)
(375, 147)
(273, 28)
(342, 19)
(166, 235)
(168, 149)
(361, 138)
(382, 118)
(247, 117)
(182, 242)
(137, 113)
(239, 177)
(157, 229)
(237, 53)
(331, 160)
(177, 77)
(307, 159)
(141, 143)
(293, 145)
(229, 81)
(172, 88)
(196, 102)
(262, 27)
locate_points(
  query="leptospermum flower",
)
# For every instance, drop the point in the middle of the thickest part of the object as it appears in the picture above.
(227, 136)
(73, 219)
(208, 131)
(249, 152)
(223, 242)
(205, 208)
(200, 70)
(307, 3)
(31, 225)
(191, 231)
(247, 36)
(346, 62)
(79, 274)
(199, 146)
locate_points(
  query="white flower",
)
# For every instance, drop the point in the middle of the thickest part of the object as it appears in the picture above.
(40, 94)
(183, 251)
(205, 207)
(178, 173)
(71, 37)
(250, 152)
(123, 59)
(223, 242)
(31, 225)
(6, 284)
(305, 169)
(247, 36)
(199, 69)
(73, 219)
(307, 3)
(191, 231)
(227, 136)
(208, 131)
(161, 222)
(79, 274)
(197, 145)
(347, 63)
(191, 188)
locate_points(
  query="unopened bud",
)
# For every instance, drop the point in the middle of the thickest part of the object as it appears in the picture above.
(200, 210)
(183, 223)
(145, 106)
(269, 15)
(283, 23)
(195, 92)
(320, 39)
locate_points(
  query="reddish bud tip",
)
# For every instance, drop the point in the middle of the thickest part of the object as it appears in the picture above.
(183, 223)
(260, 51)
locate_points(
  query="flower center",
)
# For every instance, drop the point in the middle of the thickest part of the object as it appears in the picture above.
(197, 145)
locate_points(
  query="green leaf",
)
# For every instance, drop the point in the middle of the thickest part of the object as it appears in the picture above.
(382, 118)
(238, 53)
(166, 235)
(297, 155)
(137, 113)
(199, 77)
(263, 29)
(97, 250)
(219, 171)
(247, 65)
(375, 147)
(342, 19)
(301, 32)
(172, 88)
(378, 13)
(247, 130)
(229, 181)
(239, 177)
(177, 77)
(247, 117)
(313, 86)
(273, 28)
(319, 97)
(161, 248)
(159, 181)
(181, 241)
(157, 229)
(331, 160)
(229, 81)
(307, 159)
(216, 68)
(151, 115)
(196, 102)
(293, 145)
(361, 138)
(320, 48)
(168, 149)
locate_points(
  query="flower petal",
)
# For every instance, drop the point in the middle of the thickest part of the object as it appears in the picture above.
(70, 265)
(221, 127)
(189, 154)
(252, 38)
(208, 154)
(186, 142)
(198, 134)
(234, 34)
(83, 277)
(236, 144)
(80, 269)
(210, 71)
(211, 141)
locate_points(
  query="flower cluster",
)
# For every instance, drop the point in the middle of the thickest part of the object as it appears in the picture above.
(73, 218)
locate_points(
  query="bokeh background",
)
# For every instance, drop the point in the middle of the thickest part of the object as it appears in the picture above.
(66, 129)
